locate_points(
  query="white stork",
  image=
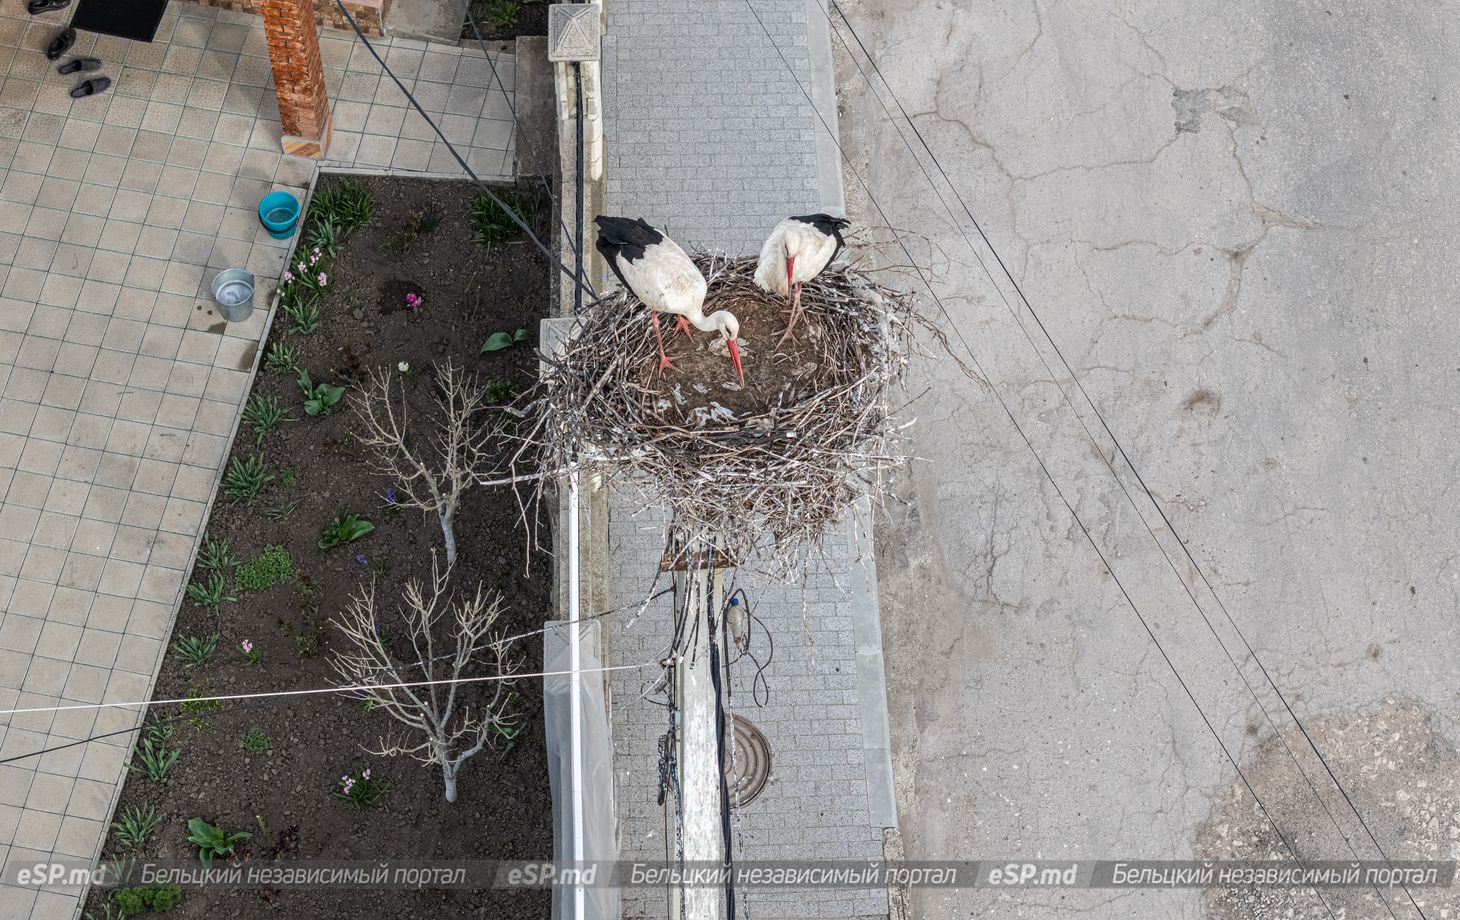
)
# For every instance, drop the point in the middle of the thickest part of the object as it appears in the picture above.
(798, 249)
(660, 274)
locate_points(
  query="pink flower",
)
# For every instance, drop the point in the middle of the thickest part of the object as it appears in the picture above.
(288, 277)
(323, 279)
(366, 774)
(302, 267)
(246, 645)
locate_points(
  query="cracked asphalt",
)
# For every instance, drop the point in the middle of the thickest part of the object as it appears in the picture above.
(1236, 220)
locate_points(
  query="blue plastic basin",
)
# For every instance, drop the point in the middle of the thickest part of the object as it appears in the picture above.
(279, 213)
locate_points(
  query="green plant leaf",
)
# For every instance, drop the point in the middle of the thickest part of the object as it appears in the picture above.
(496, 342)
(521, 335)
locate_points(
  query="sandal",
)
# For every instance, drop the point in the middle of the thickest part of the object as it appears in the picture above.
(91, 87)
(80, 65)
(61, 44)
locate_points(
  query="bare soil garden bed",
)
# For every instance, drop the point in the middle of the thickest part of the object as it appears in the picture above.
(272, 768)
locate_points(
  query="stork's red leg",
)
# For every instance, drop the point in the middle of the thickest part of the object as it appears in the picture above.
(683, 326)
(665, 361)
(795, 314)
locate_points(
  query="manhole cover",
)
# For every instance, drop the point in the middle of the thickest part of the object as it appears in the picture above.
(749, 769)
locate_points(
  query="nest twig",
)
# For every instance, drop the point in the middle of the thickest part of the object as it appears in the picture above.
(763, 484)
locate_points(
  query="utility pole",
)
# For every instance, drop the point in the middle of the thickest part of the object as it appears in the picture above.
(699, 590)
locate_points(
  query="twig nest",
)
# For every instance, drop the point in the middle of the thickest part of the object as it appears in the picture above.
(765, 467)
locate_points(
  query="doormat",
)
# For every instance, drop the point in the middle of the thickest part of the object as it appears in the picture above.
(134, 19)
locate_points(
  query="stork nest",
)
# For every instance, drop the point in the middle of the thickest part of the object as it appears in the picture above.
(764, 469)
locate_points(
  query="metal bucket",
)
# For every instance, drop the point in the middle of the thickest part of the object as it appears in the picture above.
(233, 291)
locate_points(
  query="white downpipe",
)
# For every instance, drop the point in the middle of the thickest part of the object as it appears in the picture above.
(575, 707)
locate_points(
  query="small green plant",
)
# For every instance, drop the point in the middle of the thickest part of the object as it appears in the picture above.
(502, 13)
(211, 841)
(197, 704)
(420, 223)
(489, 222)
(324, 236)
(500, 340)
(214, 555)
(158, 729)
(209, 594)
(318, 397)
(278, 513)
(345, 528)
(246, 478)
(359, 789)
(501, 392)
(263, 414)
(134, 826)
(134, 901)
(255, 742)
(308, 646)
(195, 651)
(281, 359)
(302, 310)
(348, 205)
(152, 761)
(287, 479)
(271, 567)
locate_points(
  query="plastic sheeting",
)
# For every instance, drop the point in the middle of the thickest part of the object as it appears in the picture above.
(600, 844)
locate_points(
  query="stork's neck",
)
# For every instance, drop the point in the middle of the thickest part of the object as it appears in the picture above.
(700, 321)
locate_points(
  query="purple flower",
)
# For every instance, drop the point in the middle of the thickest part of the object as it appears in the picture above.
(360, 558)
(390, 495)
(366, 774)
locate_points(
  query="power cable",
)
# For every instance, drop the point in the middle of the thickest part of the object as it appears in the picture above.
(547, 186)
(315, 691)
(1189, 593)
(1119, 448)
(486, 189)
(1003, 404)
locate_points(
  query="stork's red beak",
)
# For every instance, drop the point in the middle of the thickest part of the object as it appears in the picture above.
(735, 356)
(790, 269)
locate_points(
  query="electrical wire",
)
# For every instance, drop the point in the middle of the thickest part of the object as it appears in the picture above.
(759, 683)
(315, 691)
(486, 189)
(1003, 404)
(70, 744)
(1119, 448)
(546, 185)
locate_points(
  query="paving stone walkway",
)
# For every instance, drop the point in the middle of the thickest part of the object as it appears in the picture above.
(708, 134)
(119, 389)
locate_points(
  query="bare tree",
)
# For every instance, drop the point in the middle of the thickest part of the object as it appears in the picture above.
(448, 722)
(431, 477)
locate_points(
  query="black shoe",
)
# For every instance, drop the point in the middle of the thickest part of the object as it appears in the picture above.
(91, 87)
(61, 44)
(36, 7)
(80, 65)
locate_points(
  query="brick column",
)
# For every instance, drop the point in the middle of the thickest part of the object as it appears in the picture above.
(304, 108)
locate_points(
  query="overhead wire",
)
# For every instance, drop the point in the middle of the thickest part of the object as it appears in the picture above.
(1119, 448)
(456, 155)
(577, 247)
(1003, 404)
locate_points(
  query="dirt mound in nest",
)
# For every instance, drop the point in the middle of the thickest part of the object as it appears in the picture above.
(702, 386)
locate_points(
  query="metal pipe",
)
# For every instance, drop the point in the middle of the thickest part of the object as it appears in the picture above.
(575, 706)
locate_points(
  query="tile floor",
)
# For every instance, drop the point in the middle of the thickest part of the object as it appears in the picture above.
(119, 390)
